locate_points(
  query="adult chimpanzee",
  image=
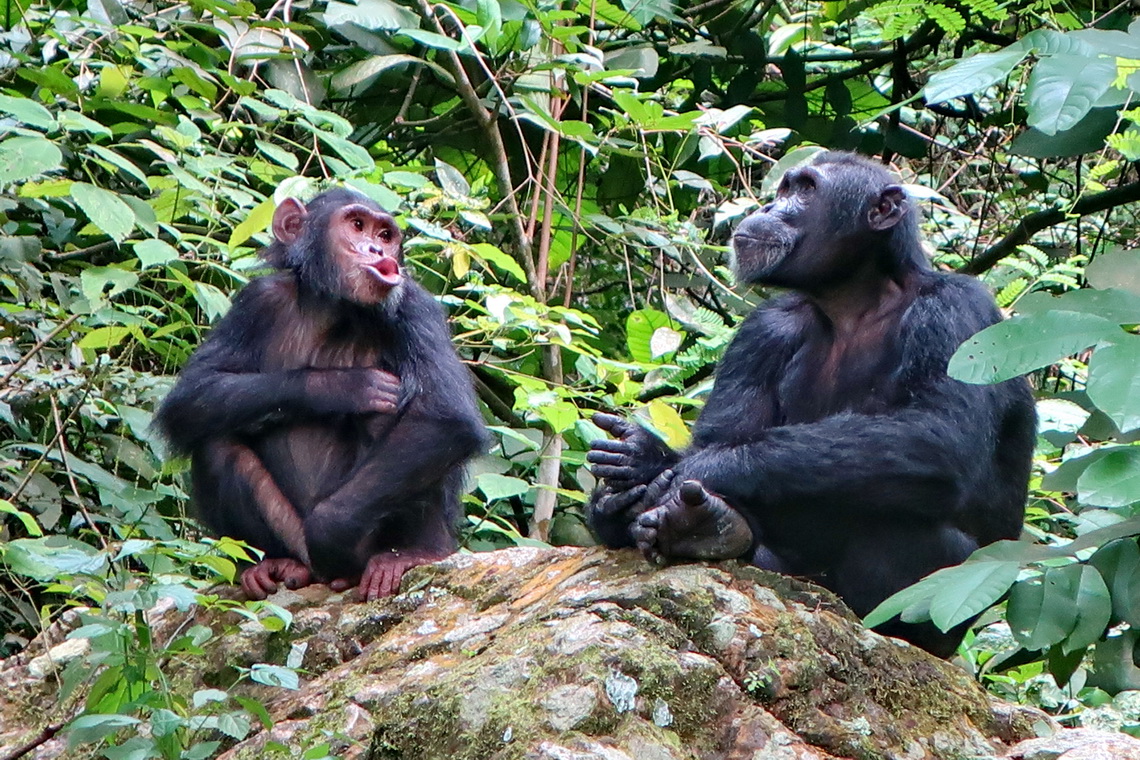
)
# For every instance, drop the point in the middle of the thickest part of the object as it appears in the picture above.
(834, 445)
(327, 415)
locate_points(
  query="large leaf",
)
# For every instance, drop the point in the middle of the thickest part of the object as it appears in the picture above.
(28, 111)
(105, 209)
(1119, 306)
(972, 74)
(970, 588)
(1063, 88)
(1118, 269)
(1119, 563)
(1022, 344)
(1089, 594)
(22, 158)
(1086, 136)
(1041, 611)
(1113, 480)
(1114, 381)
(495, 486)
(640, 328)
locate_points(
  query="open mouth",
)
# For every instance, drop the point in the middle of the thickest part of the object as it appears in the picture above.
(387, 271)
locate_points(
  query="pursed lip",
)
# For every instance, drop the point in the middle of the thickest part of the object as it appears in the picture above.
(386, 270)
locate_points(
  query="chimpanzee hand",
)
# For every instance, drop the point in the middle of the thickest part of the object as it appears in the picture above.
(261, 580)
(634, 459)
(383, 572)
(353, 390)
(691, 523)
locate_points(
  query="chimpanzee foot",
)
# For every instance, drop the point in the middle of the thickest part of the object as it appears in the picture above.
(383, 572)
(261, 580)
(692, 524)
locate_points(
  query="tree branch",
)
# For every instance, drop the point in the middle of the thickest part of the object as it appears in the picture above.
(1039, 220)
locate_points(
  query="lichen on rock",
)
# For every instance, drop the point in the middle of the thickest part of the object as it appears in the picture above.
(590, 654)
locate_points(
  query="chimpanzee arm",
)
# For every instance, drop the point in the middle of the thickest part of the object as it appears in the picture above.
(922, 458)
(439, 429)
(223, 390)
(636, 468)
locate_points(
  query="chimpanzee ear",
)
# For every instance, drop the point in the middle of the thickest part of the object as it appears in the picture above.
(289, 220)
(889, 209)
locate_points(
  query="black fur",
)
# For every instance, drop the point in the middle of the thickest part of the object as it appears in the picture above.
(888, 470)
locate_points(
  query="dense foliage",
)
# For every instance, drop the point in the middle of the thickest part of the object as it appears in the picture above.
(569, 174)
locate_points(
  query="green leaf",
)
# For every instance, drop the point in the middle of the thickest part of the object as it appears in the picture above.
(73, 121)
(669, 423)
(1118, 306)
(901, 601)
(51, 558)
(560, 415)
(968, 589)
(105, 337)
(431, 39)
(1119, 563)
(1086, 136)
(1119, 269)
(257, 221)
(22, 158)
(640, 327)
(495, 487)
(105, 209)
(363, 71)
(1063, 88)
(92, 728)
(98, 283)
(1021, 344)
(153, 253)
(28, 111)
(274, 675)
(1036, 625)
(1113, 480)
(972, 74)
(451, 181)
(500, 260)
(28, 520)
(1093, 604)
(1114, 381)
(212, 300)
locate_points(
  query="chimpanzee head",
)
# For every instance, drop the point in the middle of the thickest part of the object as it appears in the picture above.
(830, 219)
(341, 244)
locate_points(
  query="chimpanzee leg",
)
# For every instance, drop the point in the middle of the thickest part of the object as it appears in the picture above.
(420, 532)
(880, 559)
(238, 497)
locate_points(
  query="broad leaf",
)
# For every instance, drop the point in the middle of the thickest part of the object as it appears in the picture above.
(1119, 269)
(1114, 381)
(257, 221)
(155, 253)
(640, 327)
(28, 111)
(968, 589)
(1039, 613)
(1113, 480)
(972, 74)
(1092, 601)
(1022, 344)
(495, 487)
(1119, 306)
(1063, 88)
(105, 209)
(1119, 563)
(22, 158)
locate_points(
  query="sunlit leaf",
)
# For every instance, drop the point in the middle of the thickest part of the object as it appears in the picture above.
(105, 209)
(22, 158)
(1114, 381)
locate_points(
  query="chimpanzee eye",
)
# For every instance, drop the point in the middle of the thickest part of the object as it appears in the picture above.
(358, 223)
(386, 235)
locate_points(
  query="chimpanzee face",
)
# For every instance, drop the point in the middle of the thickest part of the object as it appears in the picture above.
(365, 243)
(824, 219)
(344, 246)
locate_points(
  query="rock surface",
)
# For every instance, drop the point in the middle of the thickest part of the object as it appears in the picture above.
(580, 654)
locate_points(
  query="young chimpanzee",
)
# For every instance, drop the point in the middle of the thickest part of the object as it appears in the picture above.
(834, 445)
(327, 415)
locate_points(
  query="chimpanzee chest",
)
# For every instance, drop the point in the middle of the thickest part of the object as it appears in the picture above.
(828, 379)
(310, 460)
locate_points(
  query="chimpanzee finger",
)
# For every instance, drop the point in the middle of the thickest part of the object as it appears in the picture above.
(342, 584)
(620, 501)
(644, 533)
(256, 583)
(618, 478)
(605, 446)
(659, 486)
(613, 424)
(606, 457)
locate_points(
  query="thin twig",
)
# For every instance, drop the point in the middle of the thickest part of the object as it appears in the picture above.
(44, 737)
(63, 455)
(36, 348)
